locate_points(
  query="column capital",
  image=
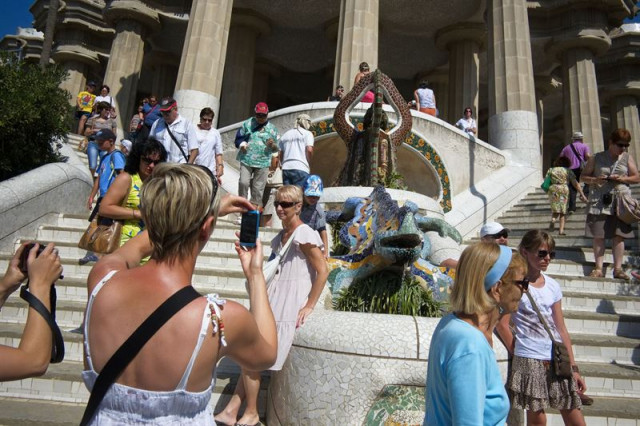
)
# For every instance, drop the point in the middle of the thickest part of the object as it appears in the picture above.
(249, 19)
(595, 40)
(75, 52)
(463, 31)
(133, 10)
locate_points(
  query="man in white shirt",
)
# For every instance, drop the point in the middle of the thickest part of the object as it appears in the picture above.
(176, 134)
(209, 144)
(467, 123)
(296, 150)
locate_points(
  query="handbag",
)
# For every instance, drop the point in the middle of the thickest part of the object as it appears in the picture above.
(627, 207)
(559, 352)
(101, 238)
(129, 349)
(274, 178)
(547, 183)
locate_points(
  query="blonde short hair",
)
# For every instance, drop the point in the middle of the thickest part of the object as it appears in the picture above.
(290, 192)
(174, 203)
(468, 294)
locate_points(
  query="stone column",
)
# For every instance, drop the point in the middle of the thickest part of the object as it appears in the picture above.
(624, 115)
(199, 81)
(357, 39)
(580, 93)
(463, 41)
(513, 123)
(262, 72)
(237, 84)
(125, 57)
(76, 78)
(164, 81)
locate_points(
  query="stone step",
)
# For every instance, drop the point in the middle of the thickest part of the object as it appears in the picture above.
(611, 380)
(595, 302)
(605, 349)
(604, 412)
(601, 323)
(603, 286)
(62, 391)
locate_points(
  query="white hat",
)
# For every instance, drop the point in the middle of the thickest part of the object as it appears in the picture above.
(577, 135)
(491, 228)
(126, 143)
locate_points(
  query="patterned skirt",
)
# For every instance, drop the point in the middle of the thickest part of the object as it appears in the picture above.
(533, 385)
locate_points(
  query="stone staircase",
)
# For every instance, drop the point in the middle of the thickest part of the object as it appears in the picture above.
(601, 314)
(59, 396)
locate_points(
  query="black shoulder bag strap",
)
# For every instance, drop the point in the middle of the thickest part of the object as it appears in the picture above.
(176, 141)
(129, 349)
(540, 317)
(575, 152)
(57, 349)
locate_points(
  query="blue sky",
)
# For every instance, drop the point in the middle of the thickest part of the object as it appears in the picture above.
(15, 13)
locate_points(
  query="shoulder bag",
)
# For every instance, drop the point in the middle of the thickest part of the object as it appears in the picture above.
(103, 234)
(559, 352)
(129, 349)
(627, 207)
(547, 183)
(176, 142)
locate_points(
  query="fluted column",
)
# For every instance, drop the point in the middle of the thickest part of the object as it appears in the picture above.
(237, 85)
(127, 49)
(463, 41)
(262, 72)
(199, 81)
(580, 93)
(76, 78)
(357, 39)
(624, 115)
(513, 123)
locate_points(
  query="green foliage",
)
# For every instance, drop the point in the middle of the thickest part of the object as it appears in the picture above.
(388, 293)
(395, 180)
(33, 111)
(337, 248)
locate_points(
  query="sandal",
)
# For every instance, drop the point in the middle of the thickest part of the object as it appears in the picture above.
(620, 274)
(596, 273)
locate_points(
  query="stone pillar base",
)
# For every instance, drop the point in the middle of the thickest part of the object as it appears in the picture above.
(516, 132)
(191, 102)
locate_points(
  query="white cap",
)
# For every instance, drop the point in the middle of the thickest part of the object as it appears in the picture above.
(491, 228)
(126, 143)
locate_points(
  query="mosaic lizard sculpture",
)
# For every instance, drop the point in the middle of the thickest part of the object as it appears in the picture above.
(371, 152)
(381, 235)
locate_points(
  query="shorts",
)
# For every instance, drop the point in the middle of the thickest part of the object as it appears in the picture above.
(606, 226)
(83, 113)
(533, 385)
(294, 177)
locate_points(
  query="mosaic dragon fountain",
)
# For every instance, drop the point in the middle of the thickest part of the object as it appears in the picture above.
(381, 235)
(371, 152)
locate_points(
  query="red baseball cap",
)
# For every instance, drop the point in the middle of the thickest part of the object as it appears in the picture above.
(262, 108)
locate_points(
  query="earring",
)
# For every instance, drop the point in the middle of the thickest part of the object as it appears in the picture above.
(500, 309)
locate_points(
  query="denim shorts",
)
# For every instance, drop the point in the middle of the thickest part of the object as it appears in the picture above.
(294, 177)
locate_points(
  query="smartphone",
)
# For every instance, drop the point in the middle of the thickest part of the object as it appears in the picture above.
(249, 228)
(22, 265)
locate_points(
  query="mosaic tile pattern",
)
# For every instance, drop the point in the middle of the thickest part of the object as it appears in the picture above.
(325, 127)
(397, 405)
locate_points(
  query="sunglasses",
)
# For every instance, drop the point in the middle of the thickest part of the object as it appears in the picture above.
(622, 145)
(166, 112)
(544, 253)
(150, 161)
(284, 204)
(207, 120)
(261, 115)
(501, 234)
(524, 283)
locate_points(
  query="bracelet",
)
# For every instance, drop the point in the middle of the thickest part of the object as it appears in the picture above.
(575, 369)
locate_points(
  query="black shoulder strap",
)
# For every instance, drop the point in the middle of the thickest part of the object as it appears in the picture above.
(176, 141)
(57, 349)
(575, 152)
(129, 349)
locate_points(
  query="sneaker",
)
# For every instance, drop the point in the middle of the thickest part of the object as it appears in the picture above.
(90, 257)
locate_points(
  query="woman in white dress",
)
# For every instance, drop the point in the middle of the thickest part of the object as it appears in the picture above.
(293, 293)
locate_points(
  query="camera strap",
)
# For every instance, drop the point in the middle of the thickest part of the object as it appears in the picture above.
(57, 348)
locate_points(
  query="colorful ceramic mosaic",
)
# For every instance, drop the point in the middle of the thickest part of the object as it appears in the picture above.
(380, 236)
(397, 405)
(325, 127)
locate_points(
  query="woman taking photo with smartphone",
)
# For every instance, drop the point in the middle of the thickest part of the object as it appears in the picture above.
(533, 384)
(293, 293)
(604, 173)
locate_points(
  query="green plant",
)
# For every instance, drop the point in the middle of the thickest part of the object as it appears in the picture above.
(337, 248)
(388, 293)
(34, 111)
(395, 180)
